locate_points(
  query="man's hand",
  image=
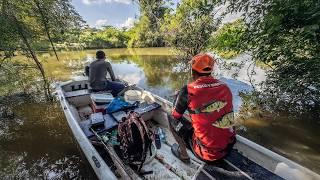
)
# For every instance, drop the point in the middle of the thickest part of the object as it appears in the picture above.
(176, 92)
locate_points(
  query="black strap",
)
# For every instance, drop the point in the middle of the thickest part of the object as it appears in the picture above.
(147, 142)
(200, 146)
(194, 111)
(150, 149)
(203, 146)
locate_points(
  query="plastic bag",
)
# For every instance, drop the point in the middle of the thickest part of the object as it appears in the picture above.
(118, 104)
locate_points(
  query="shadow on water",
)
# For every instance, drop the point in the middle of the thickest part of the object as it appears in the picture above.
(37, 142)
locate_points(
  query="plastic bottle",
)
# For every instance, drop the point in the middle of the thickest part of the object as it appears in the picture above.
(157, 140)
(114, 141)
(162, 135)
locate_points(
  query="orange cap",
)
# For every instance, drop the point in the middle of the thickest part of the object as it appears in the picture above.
(202, 63)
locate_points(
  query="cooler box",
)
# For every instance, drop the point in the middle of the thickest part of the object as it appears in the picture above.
(100, 101)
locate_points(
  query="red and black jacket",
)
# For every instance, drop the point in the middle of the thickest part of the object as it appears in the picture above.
(209, 102)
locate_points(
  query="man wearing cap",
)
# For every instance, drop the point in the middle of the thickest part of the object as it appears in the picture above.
(209, 103)
(98, 71)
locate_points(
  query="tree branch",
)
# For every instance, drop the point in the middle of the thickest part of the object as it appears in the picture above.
(46, 84)
(250, 74)
(46, 27)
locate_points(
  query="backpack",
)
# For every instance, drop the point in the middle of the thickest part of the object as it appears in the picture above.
(135, 140)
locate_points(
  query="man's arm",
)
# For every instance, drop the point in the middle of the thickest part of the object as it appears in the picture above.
(87, 70)
(109, 69)
(180, 103)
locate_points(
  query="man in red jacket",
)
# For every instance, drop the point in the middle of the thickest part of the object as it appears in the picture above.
(209, 103)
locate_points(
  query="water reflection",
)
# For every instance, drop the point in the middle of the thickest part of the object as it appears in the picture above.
(296, 139)
(37, 144)
(154, 73)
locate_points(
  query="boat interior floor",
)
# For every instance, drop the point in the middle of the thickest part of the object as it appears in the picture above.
(165, 165)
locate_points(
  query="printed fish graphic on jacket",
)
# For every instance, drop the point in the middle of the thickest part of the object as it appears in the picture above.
(216, 106)
(226, 121)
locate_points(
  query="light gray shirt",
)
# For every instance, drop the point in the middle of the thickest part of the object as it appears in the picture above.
(98, 71)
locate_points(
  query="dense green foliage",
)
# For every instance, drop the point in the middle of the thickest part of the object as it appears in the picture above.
(142, 35)
(227, 40)
(146, 32)
(37, 19)
(18, 78)
(286, 35)
(189, 28)
(108, 37)
(26, 24)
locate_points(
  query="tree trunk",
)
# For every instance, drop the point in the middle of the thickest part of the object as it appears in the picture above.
(46, 27)
(46, 84)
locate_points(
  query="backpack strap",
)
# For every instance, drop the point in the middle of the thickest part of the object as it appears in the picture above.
(136, 120)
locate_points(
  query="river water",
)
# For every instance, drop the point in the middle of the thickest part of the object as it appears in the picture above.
(37, 143)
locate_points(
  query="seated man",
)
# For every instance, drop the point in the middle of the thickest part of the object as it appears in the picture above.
(209, 102)
(98, 70)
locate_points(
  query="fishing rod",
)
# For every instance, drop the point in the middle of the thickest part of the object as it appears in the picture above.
(125, 171)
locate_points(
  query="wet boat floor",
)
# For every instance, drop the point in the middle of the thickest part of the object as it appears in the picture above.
(236, 166)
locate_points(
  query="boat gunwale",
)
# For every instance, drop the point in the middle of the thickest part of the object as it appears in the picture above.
(103, 171)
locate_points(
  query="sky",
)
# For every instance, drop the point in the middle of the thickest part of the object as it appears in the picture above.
(118, 13)
(98, 13)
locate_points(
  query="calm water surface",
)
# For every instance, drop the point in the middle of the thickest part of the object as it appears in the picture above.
(37, 142)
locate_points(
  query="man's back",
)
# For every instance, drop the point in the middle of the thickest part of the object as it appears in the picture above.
(211, 103)
(97, 74)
